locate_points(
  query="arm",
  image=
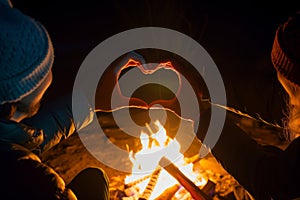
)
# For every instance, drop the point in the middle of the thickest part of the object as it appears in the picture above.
(57, 122)
(241, 157)
(265, 171)
(23, 176)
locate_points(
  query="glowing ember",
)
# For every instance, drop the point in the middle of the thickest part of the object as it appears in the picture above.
(148, 180)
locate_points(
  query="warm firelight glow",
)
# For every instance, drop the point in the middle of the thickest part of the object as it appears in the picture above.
(156, 145)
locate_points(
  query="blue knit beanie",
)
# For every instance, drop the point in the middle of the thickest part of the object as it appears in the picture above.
(26, 53)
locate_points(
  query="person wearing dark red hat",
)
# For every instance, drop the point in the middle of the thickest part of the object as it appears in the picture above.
(265, 171)
(286, 60)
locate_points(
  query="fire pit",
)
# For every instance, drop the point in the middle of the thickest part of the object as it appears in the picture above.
(149, 176)
(160, 171)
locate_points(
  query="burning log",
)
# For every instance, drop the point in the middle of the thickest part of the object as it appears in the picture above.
(151, 185)
(169, 193)
(134, 183)
(195, 192)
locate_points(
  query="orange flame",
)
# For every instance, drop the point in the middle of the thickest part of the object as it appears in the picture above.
(145, 162)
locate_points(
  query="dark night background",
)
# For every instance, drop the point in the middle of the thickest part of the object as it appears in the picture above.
(238, 37)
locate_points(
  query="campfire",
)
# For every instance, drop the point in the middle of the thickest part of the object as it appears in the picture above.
(164, 164)
(160, 171)
(151, 171)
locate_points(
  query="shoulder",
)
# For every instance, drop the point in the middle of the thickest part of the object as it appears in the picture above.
(11, 152)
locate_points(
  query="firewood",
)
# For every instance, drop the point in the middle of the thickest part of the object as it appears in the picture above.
(135, 182)
(169, 193)
(151, 185)
(195, 191)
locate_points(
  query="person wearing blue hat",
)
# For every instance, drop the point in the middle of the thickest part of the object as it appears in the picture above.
(26, 59)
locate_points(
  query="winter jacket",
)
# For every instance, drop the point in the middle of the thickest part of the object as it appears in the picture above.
(23, 175)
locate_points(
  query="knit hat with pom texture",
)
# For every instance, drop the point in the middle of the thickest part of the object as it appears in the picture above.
(26, 53)
(286, 49)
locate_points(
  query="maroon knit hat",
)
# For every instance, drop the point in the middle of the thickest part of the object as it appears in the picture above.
(285, 54)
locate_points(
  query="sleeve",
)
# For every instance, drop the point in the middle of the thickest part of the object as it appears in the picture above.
(265, 171)
(23, 176)
(240, 156)
(56, 121)
(43, 182)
